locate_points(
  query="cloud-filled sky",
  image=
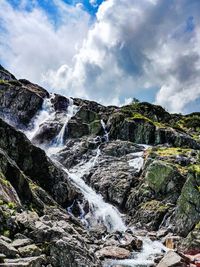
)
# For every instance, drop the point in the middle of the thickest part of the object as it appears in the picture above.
(109, 51)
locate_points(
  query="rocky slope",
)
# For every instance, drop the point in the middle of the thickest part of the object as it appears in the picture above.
(49, 218)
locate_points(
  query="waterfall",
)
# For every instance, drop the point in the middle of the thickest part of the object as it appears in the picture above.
(71, 111)
(44, 114)
(106, 134)
(101, 212)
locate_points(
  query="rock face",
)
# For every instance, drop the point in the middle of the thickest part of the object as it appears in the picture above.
(20, 101)
(45, 218)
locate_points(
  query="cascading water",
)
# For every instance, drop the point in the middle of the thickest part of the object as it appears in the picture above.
(106, 134)
(102, 212)
(71, 111)
(45, 114)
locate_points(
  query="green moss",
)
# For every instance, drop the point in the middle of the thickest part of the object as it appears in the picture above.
(6, 233)
(1, 202)
(195, 169)
(95, 127)
(5, 182)
(160, 176)
(11, 205)
(33, 186)
(197, 226)
(172, 151)
(154, 205)
(3, 82)
(135, 116)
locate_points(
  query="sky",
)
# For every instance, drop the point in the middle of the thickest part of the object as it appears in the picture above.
(110, 51)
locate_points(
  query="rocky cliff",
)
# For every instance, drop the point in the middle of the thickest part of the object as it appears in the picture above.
(82, 184)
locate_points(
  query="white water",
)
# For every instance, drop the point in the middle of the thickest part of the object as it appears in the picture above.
(71, 111)
(106, 134)
(144, 258)
(47, 112)
(138, 161)
(101, 212)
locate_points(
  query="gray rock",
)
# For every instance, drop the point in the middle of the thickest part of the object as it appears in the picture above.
(170, 259)
(30, 251)
(37, 261)
(8, 249)
(21, 242)
(113, 252)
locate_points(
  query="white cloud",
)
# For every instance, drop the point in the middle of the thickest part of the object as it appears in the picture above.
(31, 43)
(134, 46)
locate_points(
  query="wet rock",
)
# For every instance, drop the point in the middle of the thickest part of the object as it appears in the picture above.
(113, 252)
(19, 103)
(77, 129)
(60, 103)
(113, 179)
(5, 75)
(47, 132)
(171, 259)
(131, 242)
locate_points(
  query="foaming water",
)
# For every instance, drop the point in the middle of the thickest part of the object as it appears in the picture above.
(144, 258)
(106, 134)
(71, 111)
(138, 161)
(101, 212)
(47, 112)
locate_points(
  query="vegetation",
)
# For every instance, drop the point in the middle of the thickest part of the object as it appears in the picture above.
(154, 205)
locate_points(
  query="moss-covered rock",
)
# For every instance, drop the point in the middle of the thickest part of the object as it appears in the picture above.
(95, 127)
(164, 178)
(86, 115)
(187, 213)
(150, 214)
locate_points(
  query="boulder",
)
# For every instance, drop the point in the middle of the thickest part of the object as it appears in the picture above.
(187, 213)
(171, 259)
(113, 252)
(77, 129)
(37, 261)
(35, 164)
(20, 103)
(86, 115)
(60, 103)
(150, 214)
(164, 178)
(21, 242)
(7, 249)
(30, 251)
